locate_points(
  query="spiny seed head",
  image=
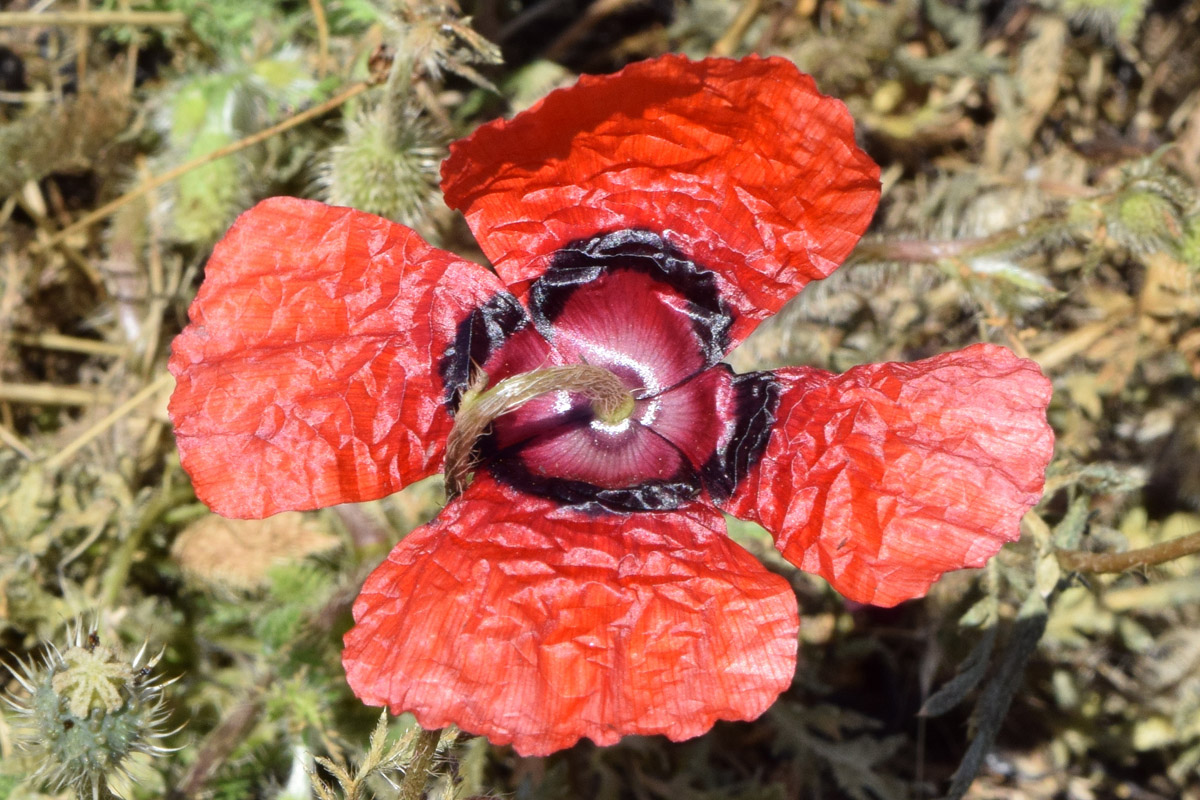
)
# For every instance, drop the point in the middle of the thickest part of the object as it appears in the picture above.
(388, 165)
(1144, 220)
(1112, 19)
(85, 711)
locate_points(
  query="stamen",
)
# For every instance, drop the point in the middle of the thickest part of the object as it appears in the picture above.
(612, 404)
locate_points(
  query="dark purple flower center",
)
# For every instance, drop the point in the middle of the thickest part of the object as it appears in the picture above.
(631, 304)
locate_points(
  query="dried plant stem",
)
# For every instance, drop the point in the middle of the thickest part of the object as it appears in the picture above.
(1080, 561)
(52, 395)
(131, 55)
(318, 12)
(416, 776)
(69, 344)
(12, 440)
(729, 42)
(68, 452)
(594, 13)
(82, 35)
(928, 251)
(222, 741)
(1072, 344)
(34, 204)
(298, 119)
(611, 400)
(1155, 594)
(94, 19)
(32, 97)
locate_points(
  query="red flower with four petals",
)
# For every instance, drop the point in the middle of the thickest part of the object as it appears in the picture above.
(641, 225)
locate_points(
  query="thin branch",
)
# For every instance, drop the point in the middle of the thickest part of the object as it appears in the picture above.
(729, 42)
(222, 741)
(594, 13)
(95, 19)
(16, 443)
(82, 37)
(63, 456)
(931, 251)
(49, 394)
(69, 344)
(318, 12)
(1081, 561)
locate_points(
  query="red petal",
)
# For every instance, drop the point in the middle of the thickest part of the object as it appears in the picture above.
(742, 165)
(531, 624)
(309, 374)
(883, 478)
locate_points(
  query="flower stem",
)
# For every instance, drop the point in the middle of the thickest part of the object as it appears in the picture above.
(419, 768)
(1080, 561)
(612, 403)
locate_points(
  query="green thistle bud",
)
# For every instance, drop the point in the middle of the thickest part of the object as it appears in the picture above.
(1144, 220)
(86, 712)
(387, 165)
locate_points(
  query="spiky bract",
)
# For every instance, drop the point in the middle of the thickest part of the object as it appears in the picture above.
(85, 711)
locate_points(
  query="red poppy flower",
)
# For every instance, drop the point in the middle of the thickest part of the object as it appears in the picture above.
(642, 224)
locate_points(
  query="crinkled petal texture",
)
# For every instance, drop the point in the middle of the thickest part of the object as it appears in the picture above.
(309, 374)
(534, 624)
(885, 477)
(742, 165)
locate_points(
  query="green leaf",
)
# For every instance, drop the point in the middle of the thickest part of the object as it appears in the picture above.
(970, 673)
(993, 704)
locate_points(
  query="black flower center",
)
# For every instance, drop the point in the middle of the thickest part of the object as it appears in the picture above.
(631, 304)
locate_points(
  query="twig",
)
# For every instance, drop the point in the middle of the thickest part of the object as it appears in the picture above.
(64, 455)
(34, 203)
(1156, 594)
(94, 19)
(729, 42)
(595, 12)
(931, 251)
(322, 24)
(1074, 343)
(1081, 561)
(152, 318)
(12, 440)
(48, 394)
(69, 344)
(304, 116)
(31, 96)
(82, 37)
(131, 56)
(222, 741)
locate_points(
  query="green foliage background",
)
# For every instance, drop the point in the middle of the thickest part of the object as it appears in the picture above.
(1040, 166)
